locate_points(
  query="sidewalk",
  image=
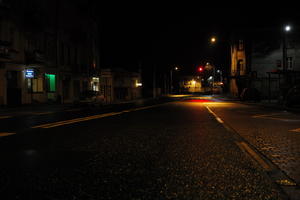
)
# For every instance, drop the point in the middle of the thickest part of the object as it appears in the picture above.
(271, 131)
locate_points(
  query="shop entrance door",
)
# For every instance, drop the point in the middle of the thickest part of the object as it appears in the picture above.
(13, 92)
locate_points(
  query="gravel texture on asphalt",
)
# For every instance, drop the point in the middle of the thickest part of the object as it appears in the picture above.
(270, 133)
(176, 151)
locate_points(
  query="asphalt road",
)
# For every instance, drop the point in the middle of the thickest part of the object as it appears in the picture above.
(177, 150)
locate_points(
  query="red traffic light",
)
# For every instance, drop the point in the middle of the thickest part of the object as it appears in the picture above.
(200, 69)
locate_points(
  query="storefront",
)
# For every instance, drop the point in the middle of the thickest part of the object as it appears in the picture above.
(95, 84)
(40, 86)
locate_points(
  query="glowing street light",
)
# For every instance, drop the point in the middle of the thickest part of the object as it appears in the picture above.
(213, 40)
(287, 28)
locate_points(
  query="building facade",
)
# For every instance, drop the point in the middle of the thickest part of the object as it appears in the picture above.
(257, 61)
(47, 54)
(120, 85)
(190, 84)
(238, 69)
(270, 76)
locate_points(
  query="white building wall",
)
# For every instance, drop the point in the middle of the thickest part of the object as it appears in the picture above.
(268, 63)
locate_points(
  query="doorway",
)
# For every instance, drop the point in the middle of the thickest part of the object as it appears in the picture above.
(13, 92)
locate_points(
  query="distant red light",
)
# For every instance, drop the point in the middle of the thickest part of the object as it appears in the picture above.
(199, 100)
(200, 69)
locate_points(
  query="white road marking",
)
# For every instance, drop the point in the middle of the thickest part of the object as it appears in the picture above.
(220, 120)
(6, 134)
(215, 115)
(243, 146)
(254, 155)
(269, 116)
(265, 115)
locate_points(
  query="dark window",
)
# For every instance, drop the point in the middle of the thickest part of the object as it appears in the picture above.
(240, 65)
(241, 45)
(69, 55)
(278, 64)
(12, 36)
(62, 54)
(289, 63)
(76, 56)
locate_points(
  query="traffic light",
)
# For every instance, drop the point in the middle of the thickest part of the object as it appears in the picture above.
(200, 69)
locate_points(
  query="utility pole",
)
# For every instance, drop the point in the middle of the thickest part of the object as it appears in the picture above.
(284, 53)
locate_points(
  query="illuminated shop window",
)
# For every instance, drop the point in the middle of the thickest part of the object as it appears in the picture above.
(35, 85)
(95, 84)
(51, 82)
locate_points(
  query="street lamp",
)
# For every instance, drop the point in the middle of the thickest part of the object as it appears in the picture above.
(171, 77)
(287, 29)
(194, 84)
(213, 40)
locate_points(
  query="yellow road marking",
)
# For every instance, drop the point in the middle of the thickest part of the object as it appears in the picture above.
(71, 121)
(6, 134)
(81, 119)
(286, 182)
(296, 130)
(75, 109)
(43, 113)
(142, 108)
(5, 117)
(254, 155)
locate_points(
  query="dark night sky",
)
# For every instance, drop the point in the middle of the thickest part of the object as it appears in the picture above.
(167, 36)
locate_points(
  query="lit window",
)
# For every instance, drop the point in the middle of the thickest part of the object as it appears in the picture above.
(51, 82)
(37, 85)
(95, 84)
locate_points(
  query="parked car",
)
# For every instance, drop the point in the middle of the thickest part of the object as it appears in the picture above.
(292, 97)
(91, 97)
(250, 94)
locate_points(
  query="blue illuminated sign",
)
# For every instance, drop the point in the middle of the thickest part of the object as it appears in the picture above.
(29, 73)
